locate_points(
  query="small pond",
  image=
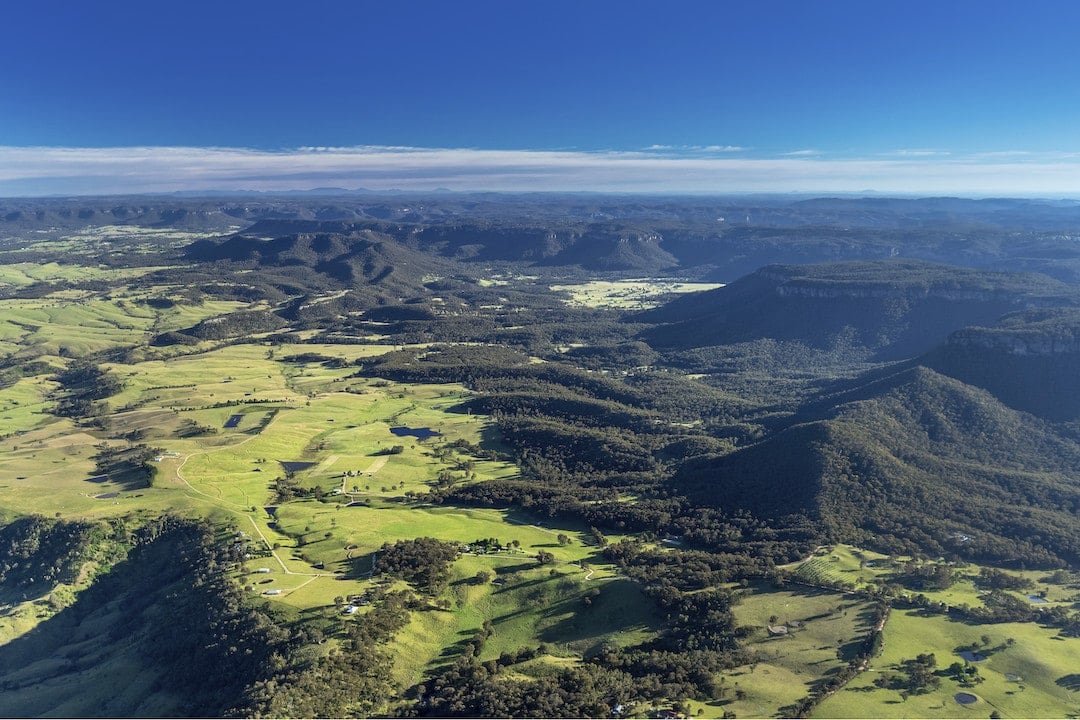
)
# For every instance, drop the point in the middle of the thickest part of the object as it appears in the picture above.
(233, 421)
(965, 698)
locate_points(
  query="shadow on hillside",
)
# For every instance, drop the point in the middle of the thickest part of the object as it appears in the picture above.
(359, 566)
(77, 649)
(619, 607)
(1070, 682)
(121, 469)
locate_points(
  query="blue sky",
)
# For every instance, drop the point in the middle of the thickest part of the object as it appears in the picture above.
(913, 97)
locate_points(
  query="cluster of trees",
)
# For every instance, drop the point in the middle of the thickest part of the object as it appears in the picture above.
(236, 324)
(424, 562)
(355, 679)
(37, 553)
(128, 465)
(473, 689)
(82, 385)
(918, 676)
(994, 579)
(929, 576)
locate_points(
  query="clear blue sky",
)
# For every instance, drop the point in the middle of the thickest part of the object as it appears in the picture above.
(811, 79)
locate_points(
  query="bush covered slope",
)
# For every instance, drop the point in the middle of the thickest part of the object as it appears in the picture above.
(921, 462)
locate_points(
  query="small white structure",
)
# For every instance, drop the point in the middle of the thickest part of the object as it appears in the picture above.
(263, 570)
(349, 609)
(272, 592)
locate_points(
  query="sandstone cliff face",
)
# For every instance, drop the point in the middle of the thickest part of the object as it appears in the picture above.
(858, 292)
(1020, 342)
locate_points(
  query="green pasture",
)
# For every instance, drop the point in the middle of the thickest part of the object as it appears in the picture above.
(861, 568)
(23, 406)
(365, 529)
(81, 324)
(830, 629)
(527, 603)
(94, 241)
(1034, 676)
(531, 606)
(24, 274)
(235, 373)
(628, 294)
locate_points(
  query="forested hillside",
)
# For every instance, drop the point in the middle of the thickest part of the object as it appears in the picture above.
(988, 482)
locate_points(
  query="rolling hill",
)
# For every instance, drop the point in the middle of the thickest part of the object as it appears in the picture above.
(327, 260)
(912, 461)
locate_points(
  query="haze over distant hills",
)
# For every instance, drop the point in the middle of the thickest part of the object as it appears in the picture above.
(719, 239)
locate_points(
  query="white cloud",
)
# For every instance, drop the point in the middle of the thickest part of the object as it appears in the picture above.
(722, 148)
(696, 148)
(801, 153)
(918, 153)
(51, 170)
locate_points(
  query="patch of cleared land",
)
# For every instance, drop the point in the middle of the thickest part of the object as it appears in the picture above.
(860, 569)
(628, 294)
(1038, 656)
(814, 634)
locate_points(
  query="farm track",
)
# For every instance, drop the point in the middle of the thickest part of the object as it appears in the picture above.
(239, 510)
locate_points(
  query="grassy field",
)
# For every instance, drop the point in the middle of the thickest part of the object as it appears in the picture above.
(1029, 678)
(75, 324)
(24, 274)
(96, 241)
(628, 294)
(861, 568)
(825, 633)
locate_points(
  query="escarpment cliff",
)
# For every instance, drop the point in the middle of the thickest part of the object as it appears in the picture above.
(883, 310)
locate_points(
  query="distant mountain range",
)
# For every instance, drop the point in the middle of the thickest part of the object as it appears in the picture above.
(717, 239)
